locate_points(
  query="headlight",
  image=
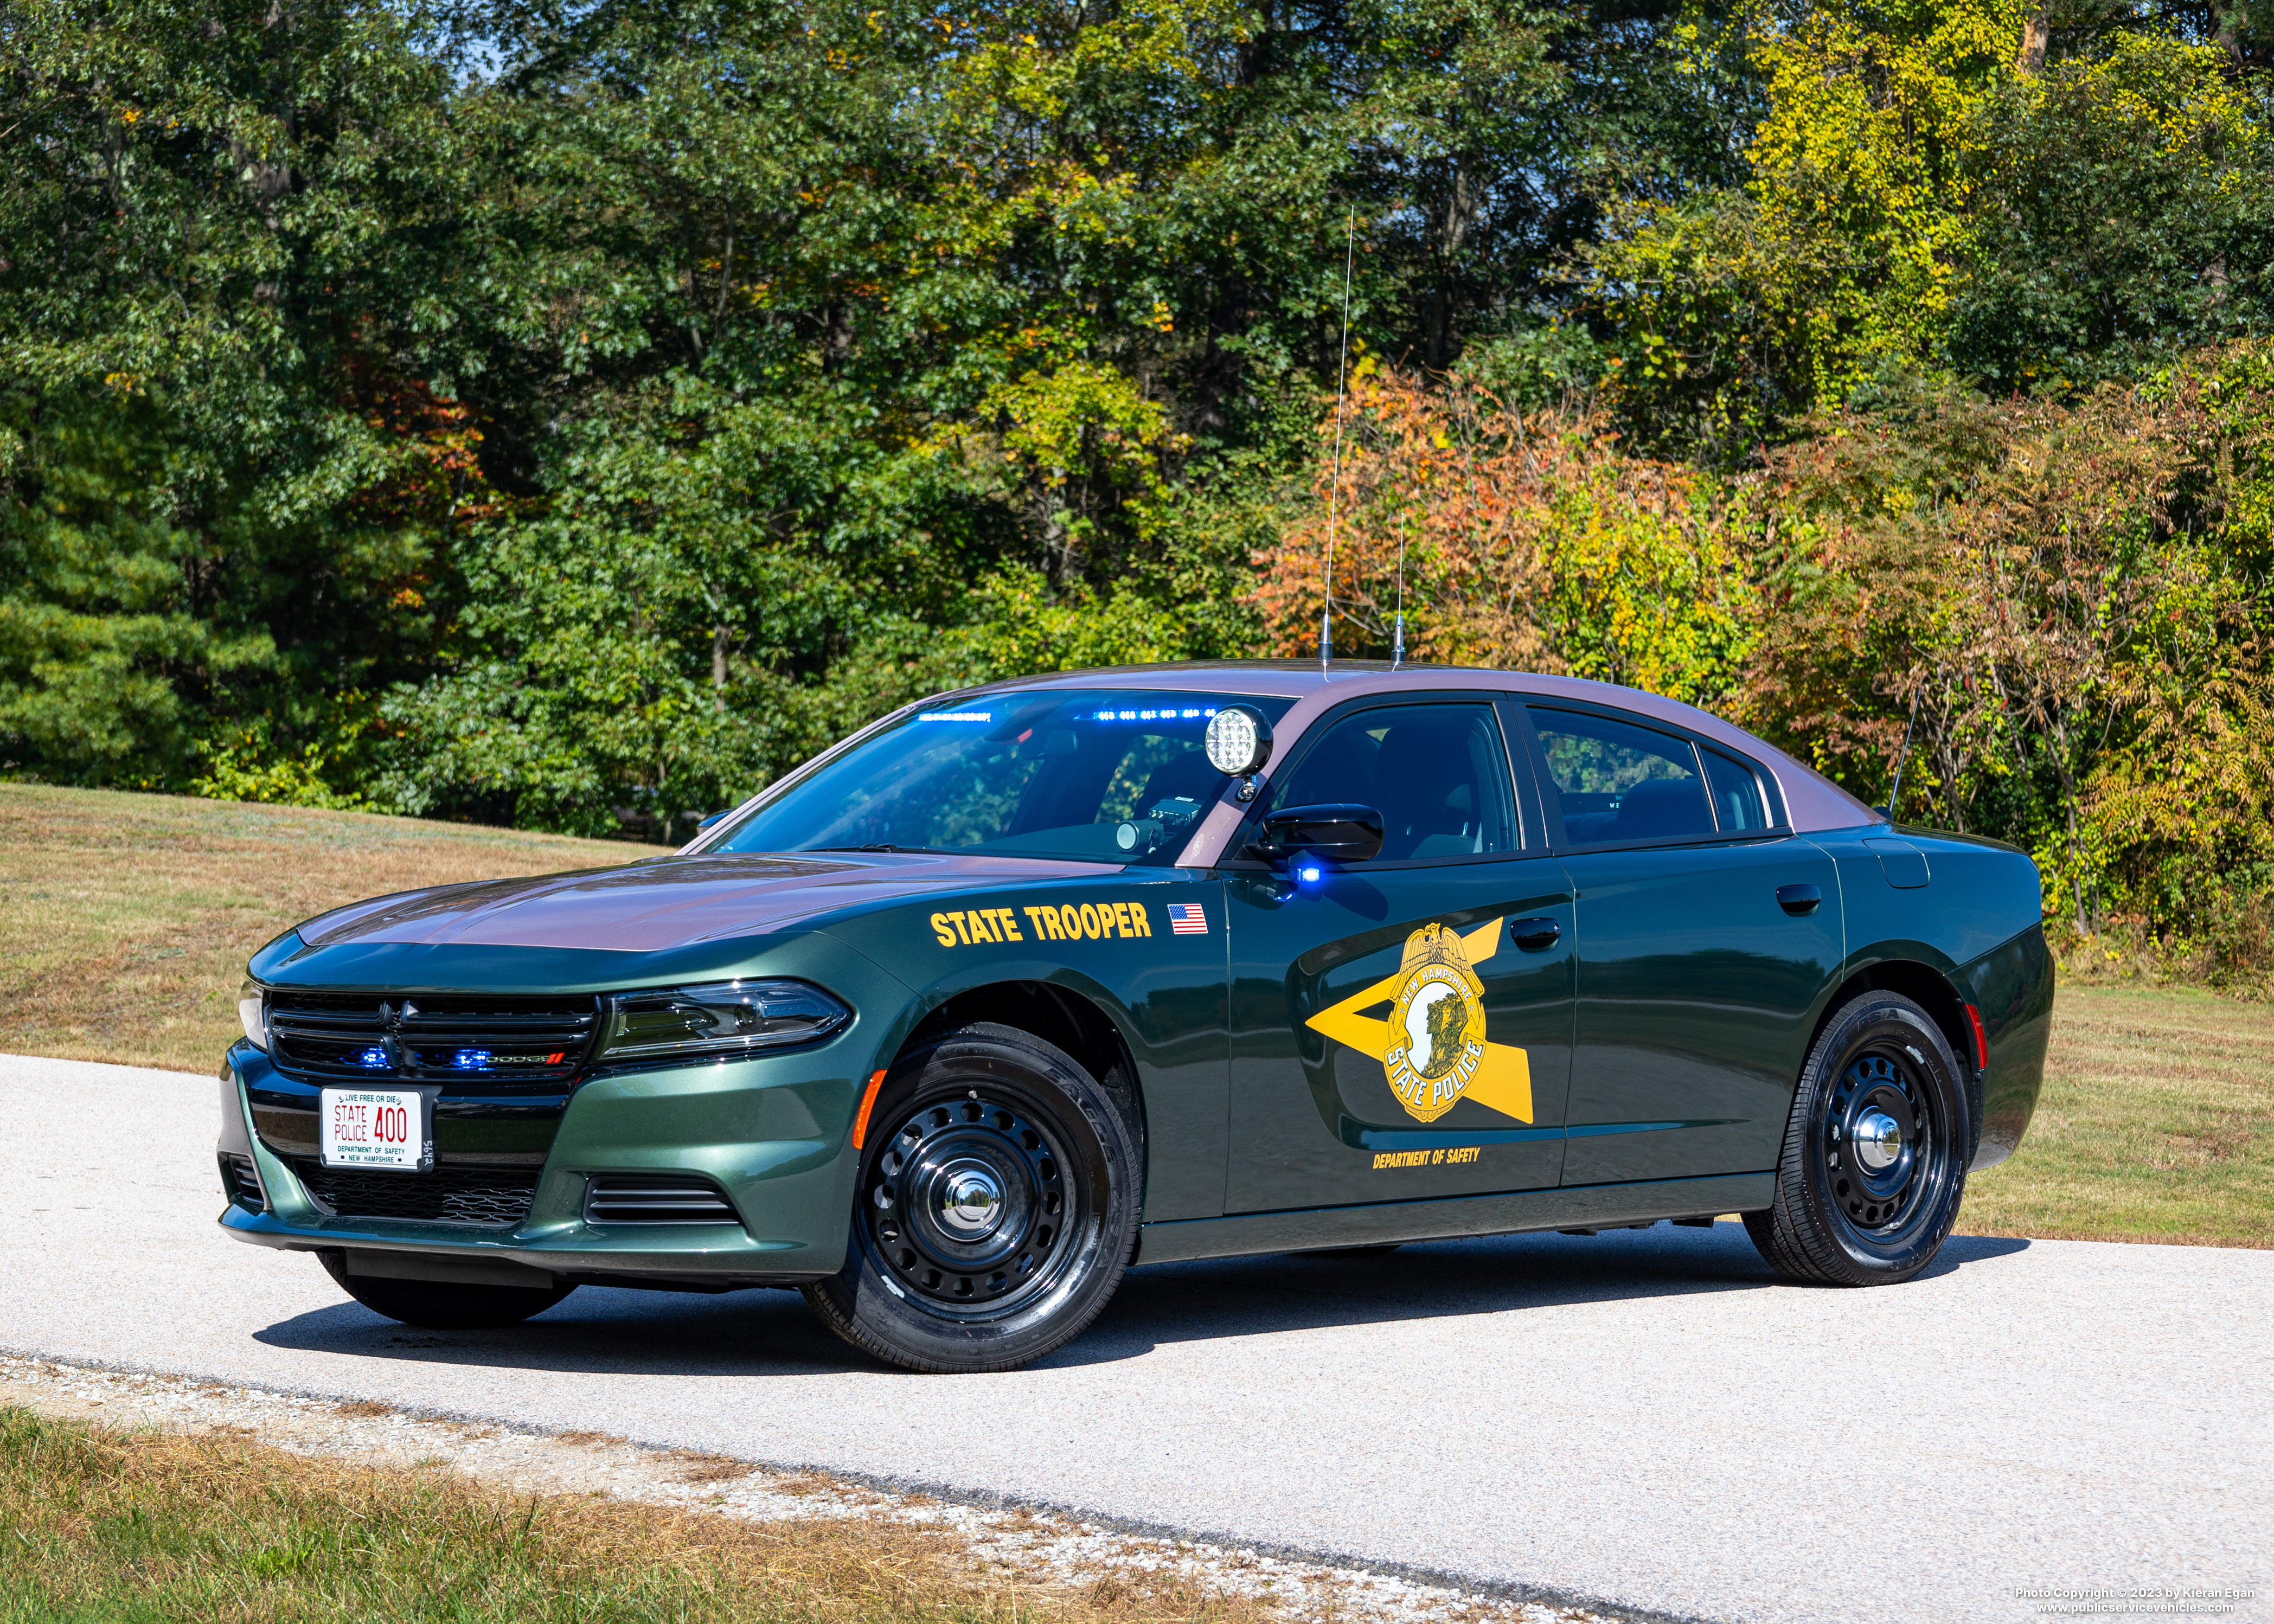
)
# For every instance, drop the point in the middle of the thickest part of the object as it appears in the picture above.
(250, 1010)
(717, 1018)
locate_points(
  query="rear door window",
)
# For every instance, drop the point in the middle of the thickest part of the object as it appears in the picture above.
(1615, 782)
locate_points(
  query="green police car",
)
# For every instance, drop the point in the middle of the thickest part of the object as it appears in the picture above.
(1026, 984)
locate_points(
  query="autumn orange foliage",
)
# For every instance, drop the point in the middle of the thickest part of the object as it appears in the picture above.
(2051, 614)
(1529, 542)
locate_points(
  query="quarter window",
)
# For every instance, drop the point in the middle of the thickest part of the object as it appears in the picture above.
(1737, 804)
(1617, 782)
(1438, 774)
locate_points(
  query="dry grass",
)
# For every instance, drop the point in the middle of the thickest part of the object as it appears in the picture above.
(103, 1524)
(703, 1468)
(2156, 1124)
(125, 920)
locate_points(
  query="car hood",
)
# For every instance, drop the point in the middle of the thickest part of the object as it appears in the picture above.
(668, 902)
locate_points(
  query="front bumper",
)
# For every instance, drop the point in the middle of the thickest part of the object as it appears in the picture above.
(773, 1132)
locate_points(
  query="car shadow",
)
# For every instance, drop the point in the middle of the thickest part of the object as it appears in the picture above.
(605, 1330)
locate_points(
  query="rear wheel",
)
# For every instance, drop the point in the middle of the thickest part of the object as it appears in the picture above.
(1873, 1164)
(437, 1305)
(996, 1210)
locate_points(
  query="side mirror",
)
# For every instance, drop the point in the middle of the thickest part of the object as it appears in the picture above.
(713, 818)
(1338, 832)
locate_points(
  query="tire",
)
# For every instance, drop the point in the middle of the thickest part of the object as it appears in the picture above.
(1045, 1167)
(435, 1306)
(1874, 1210)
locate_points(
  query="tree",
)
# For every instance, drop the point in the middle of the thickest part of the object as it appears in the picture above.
(230, 275)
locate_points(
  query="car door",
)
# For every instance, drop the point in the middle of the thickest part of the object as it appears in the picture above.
(1392, 1037)
(1708, 935)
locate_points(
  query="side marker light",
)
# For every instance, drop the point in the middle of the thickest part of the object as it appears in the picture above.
(867, 1104)
(1981, 1039)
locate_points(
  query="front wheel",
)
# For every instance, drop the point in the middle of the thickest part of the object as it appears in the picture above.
(1874, 1163)
(996, 1210)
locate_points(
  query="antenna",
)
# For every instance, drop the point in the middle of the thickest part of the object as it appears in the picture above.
(1905, 757)
(1397, 637)
(1335, 491)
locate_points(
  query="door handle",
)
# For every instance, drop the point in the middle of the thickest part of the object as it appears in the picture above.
(1799, 900)
(1535, 935)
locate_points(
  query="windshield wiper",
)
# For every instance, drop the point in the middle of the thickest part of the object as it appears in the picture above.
(879, 846)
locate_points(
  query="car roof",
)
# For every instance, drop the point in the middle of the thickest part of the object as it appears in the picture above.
(1813, 801)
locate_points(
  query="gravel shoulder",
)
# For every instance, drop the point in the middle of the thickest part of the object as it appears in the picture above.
(1044, 1548)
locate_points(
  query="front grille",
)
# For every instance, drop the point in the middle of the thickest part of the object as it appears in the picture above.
(362, 1036)
(655, 1198)
(241, 1184)
(495, 1196)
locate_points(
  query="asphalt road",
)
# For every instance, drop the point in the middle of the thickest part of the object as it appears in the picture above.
(1643, 1420)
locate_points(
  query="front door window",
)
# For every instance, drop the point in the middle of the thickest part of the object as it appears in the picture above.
(1438, 774)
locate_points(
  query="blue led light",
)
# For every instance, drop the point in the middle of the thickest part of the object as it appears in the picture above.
(373, 1058)
(471, 1060)
(1308, 873)
(1164, 714)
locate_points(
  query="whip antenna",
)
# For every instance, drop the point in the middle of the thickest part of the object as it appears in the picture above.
(1335, 491)
(1397, 637)
(1905, 756)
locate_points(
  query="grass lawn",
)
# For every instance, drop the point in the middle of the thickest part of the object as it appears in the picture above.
(2156, 1123)
(124, 1527)
(125, 921)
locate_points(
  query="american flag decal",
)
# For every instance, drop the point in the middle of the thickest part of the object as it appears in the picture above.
(1187, 920)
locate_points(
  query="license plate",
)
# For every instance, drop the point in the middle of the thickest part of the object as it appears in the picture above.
(375, 1128)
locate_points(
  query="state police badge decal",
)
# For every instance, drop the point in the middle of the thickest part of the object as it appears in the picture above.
(1433, 1048)
(1437, 1034)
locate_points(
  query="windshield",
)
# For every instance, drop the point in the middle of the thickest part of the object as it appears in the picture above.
(1107, 775)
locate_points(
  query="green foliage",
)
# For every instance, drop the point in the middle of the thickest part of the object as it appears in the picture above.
(245, 761)
(1921, 197)
(576, 417)
(2125, 212)
(2074, 600)
(219, 287)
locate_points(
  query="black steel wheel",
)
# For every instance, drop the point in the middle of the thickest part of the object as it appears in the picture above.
(439, 1305)
(1873, 1165)
(996, 1210)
